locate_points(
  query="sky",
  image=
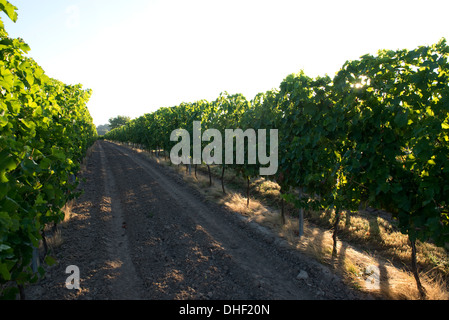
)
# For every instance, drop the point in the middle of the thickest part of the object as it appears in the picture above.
(140, 55)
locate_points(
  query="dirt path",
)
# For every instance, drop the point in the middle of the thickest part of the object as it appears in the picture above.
(138, 232)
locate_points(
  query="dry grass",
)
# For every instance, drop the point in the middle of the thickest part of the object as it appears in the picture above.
(382, 245)
(54, 236)
(379, 235)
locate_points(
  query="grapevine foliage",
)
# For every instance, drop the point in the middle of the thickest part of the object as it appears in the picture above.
(375, 134)
(45, 130)
(394, 114)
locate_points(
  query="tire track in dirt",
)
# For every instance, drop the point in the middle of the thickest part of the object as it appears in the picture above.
(175, 255)
(255, 257)
(126, 285)
(93, 240)
(139, 232)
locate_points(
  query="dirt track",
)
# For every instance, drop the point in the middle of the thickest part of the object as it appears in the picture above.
(139, 232)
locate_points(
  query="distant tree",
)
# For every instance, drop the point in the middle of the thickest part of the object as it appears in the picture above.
(102, 129)
(118, 122)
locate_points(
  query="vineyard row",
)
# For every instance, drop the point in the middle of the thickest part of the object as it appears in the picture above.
(375, 134)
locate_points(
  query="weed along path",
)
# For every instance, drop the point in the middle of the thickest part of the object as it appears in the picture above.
(140, 232)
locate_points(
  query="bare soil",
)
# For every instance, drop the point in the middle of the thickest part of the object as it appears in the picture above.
(139, 232)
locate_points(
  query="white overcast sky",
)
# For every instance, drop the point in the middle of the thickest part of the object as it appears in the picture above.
(140, 55)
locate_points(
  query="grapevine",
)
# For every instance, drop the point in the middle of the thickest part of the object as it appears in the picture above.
(45, 131)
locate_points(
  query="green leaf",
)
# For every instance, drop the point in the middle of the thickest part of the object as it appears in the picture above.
(4, 272)
(41, 271)
(4, 247)
(50, 261)
(7, 79)
(5, 220)
(7, 162)
(3, 178)
(34, 240)
(401, 119)
(29, 165)
(58, 154)
(9, 9)
(30, 79)
(45, 164)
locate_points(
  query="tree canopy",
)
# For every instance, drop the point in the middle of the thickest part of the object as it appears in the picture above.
(118, 121)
